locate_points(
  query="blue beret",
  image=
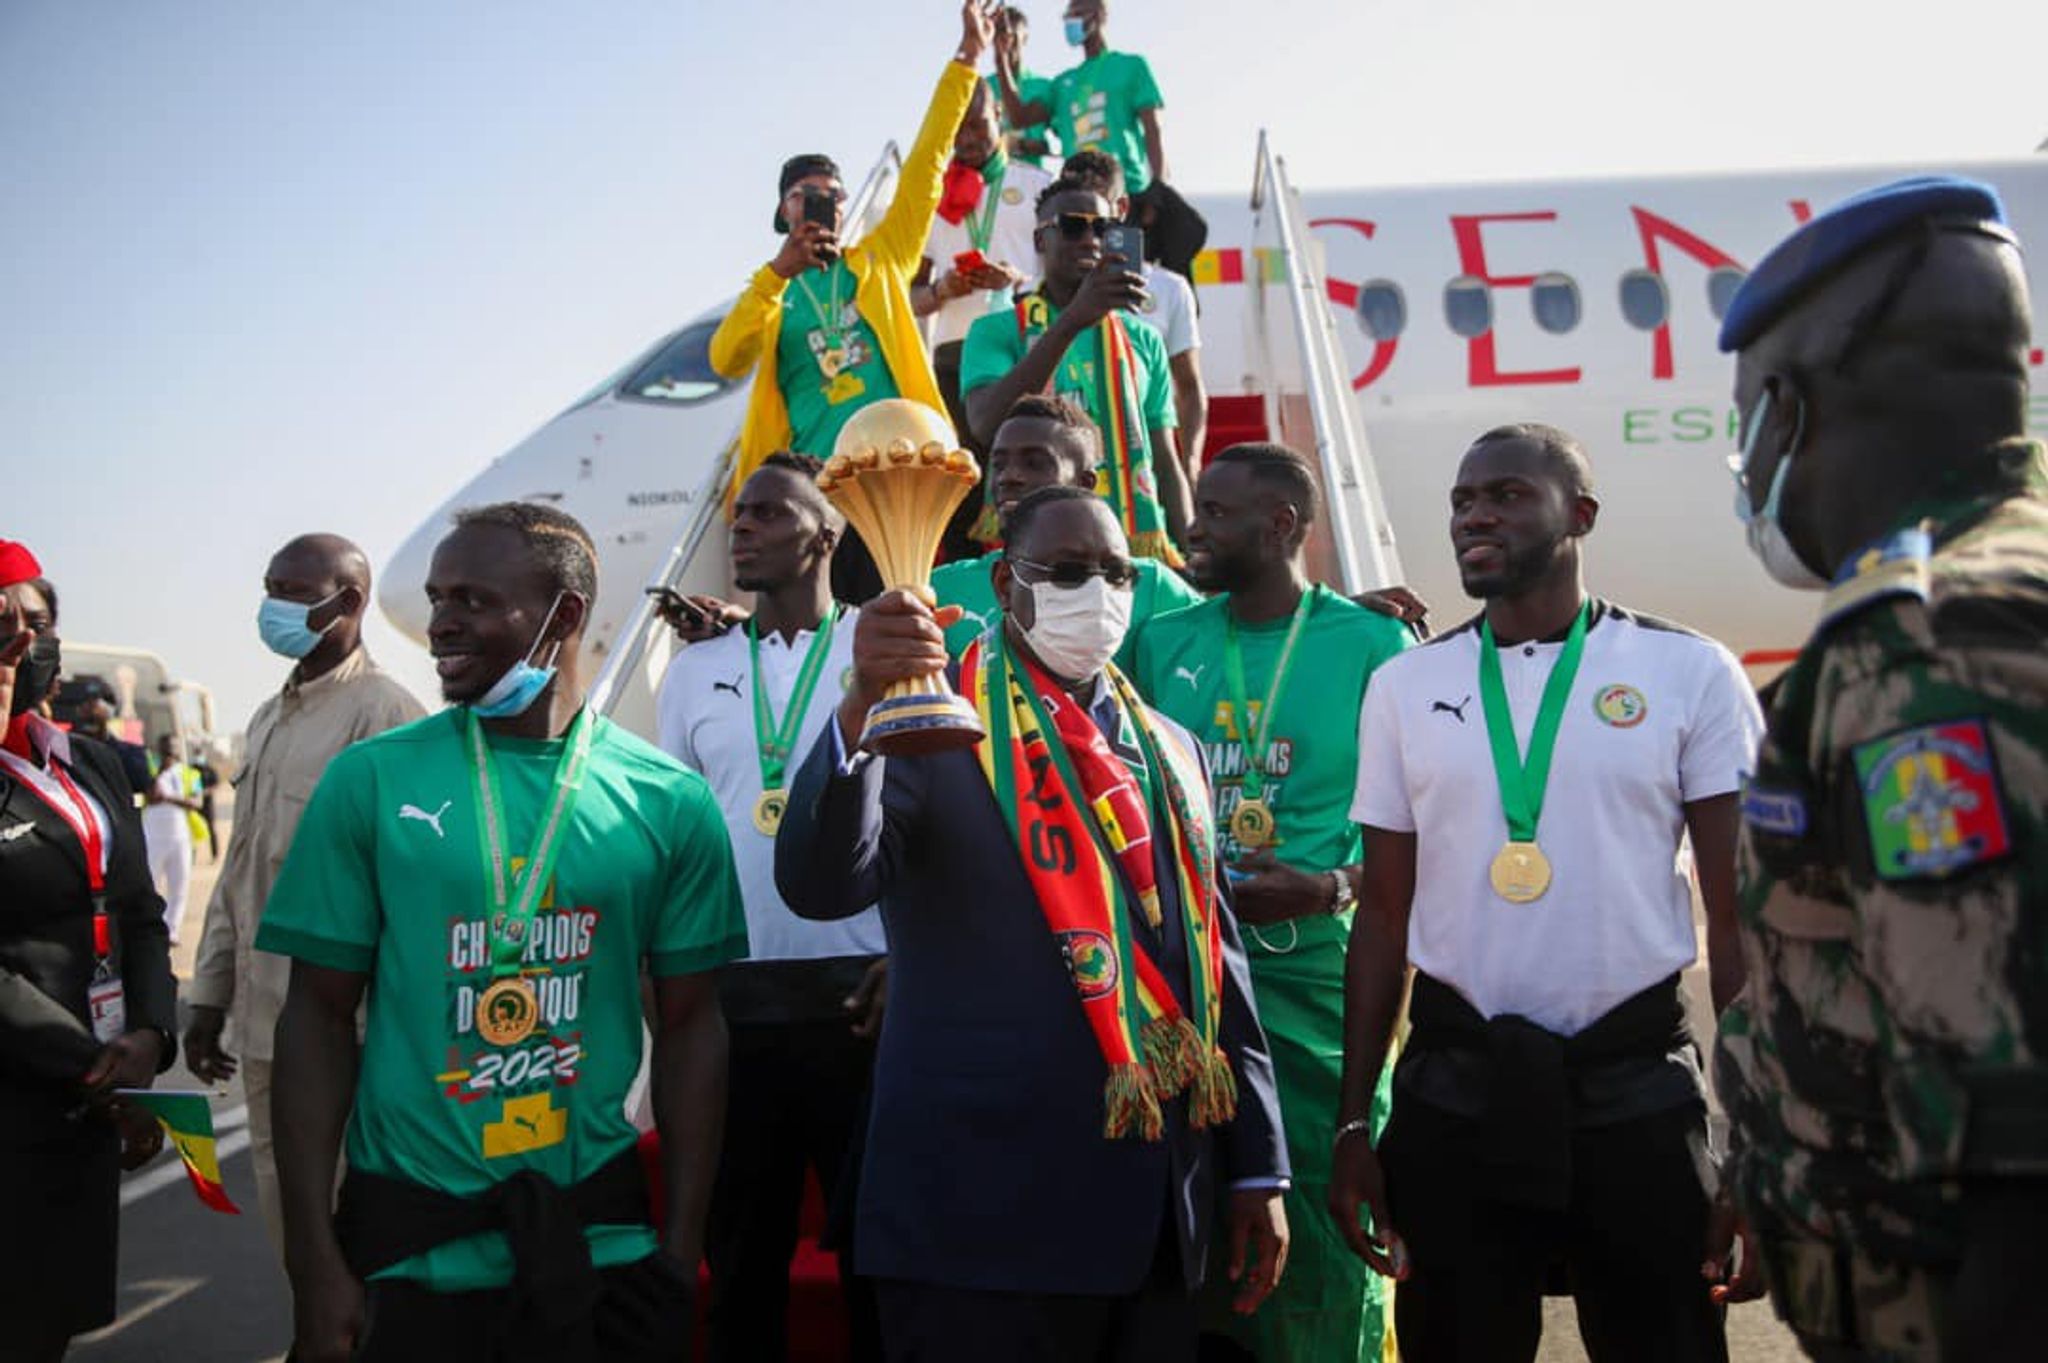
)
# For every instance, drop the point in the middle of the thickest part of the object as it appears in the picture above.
(1838, 236)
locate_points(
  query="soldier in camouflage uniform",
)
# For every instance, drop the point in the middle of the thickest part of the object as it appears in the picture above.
(1886, 1069)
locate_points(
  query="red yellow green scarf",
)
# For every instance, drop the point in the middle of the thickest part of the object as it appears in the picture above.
(1042, 749)
(1126, 479)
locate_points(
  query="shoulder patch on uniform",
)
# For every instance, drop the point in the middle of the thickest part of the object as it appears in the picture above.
(1780, 812)
(1931, 800)
(1894, 566)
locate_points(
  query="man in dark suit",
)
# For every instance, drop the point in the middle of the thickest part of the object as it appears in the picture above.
(87, 1002)
(1042, 1176)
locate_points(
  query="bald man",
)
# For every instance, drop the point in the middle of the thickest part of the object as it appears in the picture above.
(315, 592)
(1886, 1071)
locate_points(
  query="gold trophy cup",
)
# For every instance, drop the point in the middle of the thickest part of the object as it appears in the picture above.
(896, 473)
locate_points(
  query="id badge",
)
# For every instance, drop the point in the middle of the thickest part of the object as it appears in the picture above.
(106, 1005)
(844, 387)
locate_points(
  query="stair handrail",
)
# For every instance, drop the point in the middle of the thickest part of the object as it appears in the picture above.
(1367, 556)
(708, 500)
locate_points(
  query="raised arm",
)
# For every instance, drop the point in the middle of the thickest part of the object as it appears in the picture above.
(901, 234)
(1017, 111)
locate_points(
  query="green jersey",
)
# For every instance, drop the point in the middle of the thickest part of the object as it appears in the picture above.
(827, 359)
(996, 343)
(1097, 103)
(386, 878)
(1031, 89)
(966, 584)
(1311, 757)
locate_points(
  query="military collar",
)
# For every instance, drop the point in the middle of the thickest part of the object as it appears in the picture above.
(1892, 565)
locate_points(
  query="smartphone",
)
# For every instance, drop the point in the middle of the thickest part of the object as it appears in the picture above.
(820, 207)
(1122, 239)
(967, 262)
(670, 599)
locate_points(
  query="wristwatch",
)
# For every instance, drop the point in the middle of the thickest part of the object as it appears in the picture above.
(1342, 895)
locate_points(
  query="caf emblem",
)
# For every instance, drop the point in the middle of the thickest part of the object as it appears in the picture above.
(1013, 196)
(1621, 706)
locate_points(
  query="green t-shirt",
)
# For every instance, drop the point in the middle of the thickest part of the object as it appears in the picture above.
(385, 877)
(828, 369)
(966, 584)
(1313, 756)
(1097, 103)
(995, 344)
(1031, 89)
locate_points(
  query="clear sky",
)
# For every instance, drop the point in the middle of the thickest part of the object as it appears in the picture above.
(275, 267)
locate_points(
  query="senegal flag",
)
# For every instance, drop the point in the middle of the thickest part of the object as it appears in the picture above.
(188, 1120)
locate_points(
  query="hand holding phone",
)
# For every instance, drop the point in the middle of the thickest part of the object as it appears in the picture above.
(1123, 239)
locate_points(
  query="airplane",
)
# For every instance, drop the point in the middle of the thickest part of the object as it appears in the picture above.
(1382, 328)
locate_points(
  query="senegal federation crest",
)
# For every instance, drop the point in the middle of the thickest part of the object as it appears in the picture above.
(1620, 706)
(1091, 960)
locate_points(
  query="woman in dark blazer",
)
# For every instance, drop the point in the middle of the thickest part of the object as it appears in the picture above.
(87, 1002)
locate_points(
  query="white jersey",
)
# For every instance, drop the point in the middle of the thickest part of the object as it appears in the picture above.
(1010, 243)
(1657, 717)
(704, 716)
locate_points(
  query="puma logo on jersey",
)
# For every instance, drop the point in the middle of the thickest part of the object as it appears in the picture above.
(1192, 678)
(732, 686)
(14, 830)
(432, 820)
(1447, 708)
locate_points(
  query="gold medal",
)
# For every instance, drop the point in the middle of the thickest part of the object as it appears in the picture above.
(1521, 873)
(845, 387)
(508, 1012)
(1251, 823)
(768, 811)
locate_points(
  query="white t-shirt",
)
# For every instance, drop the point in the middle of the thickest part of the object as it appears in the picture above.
(1657, 717)
(704, 716)
(1010, 242)
(1171, 308)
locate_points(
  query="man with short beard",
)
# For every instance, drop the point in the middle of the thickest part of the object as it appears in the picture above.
(1525, 782)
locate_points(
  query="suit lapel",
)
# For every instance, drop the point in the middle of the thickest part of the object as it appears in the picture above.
(28, 805)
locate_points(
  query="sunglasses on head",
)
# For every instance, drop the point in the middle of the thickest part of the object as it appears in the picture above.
(1074, 226)
(1071, 574)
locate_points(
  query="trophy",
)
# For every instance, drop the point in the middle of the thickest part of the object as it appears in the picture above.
(896, 474)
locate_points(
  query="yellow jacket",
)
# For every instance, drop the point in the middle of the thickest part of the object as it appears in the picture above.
(883, 263)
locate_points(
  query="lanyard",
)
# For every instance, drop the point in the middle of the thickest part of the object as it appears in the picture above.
(1258, 734)
(1522, 781)
(509, 920)
(79, 818)
(776, 741)
(828, 323)
(981, 225)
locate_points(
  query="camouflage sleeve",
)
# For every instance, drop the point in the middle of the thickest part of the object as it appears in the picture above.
(1936, 754)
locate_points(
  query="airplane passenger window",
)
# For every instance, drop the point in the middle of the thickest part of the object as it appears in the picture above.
(1468, 306)
(1721, 286)
(1555, 300)
(1645, 303)
(680, 370)
(1382, 311)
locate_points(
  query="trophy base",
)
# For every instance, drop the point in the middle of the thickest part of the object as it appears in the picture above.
(921, 724)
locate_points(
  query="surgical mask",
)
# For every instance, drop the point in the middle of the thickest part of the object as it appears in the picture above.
(516, 691)
(1766, 534)
(1077, 32)
(284, 629)
(1075, 631)
(36, 673)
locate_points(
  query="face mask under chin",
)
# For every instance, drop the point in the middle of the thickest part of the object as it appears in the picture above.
(514, 693)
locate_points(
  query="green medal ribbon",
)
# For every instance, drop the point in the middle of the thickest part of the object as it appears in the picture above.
(1522, 781)
(828, 322)
(509, 920)
(981, 225)
(776, 741)
(1258, 736)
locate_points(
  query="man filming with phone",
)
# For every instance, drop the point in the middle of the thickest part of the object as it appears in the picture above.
(827, 327)
(1079, 335)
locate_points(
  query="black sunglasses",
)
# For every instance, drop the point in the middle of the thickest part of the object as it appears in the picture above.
(1071, 574)
(1074, 226)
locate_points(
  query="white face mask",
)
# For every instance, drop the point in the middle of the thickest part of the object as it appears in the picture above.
(1075, 631)
(1766, 535)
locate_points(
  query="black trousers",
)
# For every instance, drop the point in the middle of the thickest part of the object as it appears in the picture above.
(796, 1101)
(62, 1201)
(930, 1323)
(645, 1315)
(1628, 1247)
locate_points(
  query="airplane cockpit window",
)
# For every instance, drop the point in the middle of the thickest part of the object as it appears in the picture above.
(1468, 306)
(1554, 298)
(1645, 303)
(1721, 286)
(681, 370)
(1382, 311)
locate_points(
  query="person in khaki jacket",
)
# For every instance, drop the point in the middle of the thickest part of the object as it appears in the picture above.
(315, 592)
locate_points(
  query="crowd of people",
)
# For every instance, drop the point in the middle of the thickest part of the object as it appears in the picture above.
(1272, 981)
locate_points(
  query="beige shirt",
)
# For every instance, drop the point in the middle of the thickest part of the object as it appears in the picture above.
(291, 739)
